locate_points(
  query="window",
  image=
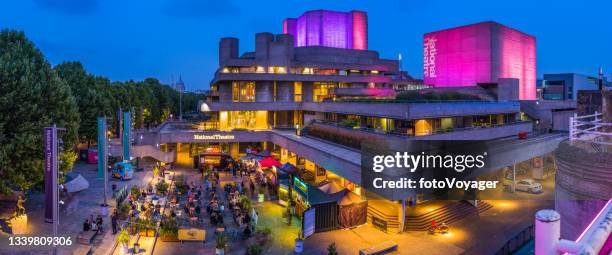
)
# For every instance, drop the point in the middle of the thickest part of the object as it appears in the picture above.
(321, 90)
(297, 91)
(243, 91)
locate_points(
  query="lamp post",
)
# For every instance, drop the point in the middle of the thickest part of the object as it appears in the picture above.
(103, 160)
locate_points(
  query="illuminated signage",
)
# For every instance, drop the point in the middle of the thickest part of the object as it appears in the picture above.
(213, 137)
(429, 57)
(300, 185)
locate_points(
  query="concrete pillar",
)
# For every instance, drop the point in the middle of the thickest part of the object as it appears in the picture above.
(284, 91)
(547, 232)
(225, 91)
(234, 150)
(307, 91)
(264, 91)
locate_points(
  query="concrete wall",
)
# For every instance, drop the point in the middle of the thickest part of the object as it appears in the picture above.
(264, 91)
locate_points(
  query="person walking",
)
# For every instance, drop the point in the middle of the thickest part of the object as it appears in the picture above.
(114, 221)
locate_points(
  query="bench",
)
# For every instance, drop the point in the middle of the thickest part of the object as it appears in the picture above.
(379, 249)
(86, 237)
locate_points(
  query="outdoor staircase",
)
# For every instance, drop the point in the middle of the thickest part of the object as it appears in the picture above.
(389, 216)
(448, 214)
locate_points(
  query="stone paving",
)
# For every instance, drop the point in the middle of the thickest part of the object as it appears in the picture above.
(78, 207)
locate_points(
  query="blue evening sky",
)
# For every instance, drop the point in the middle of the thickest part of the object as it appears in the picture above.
(132, 39)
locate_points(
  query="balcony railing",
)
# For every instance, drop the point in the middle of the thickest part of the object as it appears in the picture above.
(405, 134)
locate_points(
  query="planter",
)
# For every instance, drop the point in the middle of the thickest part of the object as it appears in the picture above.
(169, 238)
(219, 251)
(299, 246)
(124, 248)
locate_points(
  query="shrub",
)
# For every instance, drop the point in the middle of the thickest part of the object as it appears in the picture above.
(331, 249)
(161, 187)
(168, 228)
(135, 191)
(254, 249)
(123, 237)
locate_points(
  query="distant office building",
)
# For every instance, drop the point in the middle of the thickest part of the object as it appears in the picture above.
(480, 53)
(565, 86)
(348, 30)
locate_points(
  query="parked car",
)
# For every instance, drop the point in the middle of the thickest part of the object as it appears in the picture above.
(123, 171)
(529, 185)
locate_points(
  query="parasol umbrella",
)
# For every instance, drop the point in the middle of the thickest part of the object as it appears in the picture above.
(269, 162)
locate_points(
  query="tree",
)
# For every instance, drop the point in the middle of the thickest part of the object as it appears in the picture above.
(32, 97)
(90, 97)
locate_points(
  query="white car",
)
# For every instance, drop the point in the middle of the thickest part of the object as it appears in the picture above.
(529, 185)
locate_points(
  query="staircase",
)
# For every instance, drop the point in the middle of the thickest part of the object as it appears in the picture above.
(448, 214)
(389, 216)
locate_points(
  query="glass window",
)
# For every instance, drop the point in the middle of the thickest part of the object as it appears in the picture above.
(297, 91)
(321, 90)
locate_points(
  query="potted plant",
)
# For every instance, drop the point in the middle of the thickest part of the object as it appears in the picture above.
(161, 187)
(135, 191)
(168, 230)
(146, 225)
(123, 239)
(123, 210)
(299, 242)
(220, 244)
(246, 203)
(331, 249)
(254, 249)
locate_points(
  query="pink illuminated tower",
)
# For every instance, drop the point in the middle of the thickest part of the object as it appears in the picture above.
(480, 53)
(347, 30)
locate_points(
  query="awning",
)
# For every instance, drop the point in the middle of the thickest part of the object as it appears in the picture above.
(331, 187)
(269, 162)
(264, 153)
(250, 157)
(289, 168)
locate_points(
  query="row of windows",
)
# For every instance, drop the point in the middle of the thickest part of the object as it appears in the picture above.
(297, 70)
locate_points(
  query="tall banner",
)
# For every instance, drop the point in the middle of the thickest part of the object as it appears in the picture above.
(49, 165)
(118, 130)
(101, 146)
(127, 124)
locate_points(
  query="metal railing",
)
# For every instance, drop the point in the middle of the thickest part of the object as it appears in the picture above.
(402, 134)
(590, 128)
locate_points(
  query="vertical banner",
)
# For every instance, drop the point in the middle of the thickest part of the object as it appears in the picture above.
(49, 156)
(101, 146)
(127, 124)
(119, 123)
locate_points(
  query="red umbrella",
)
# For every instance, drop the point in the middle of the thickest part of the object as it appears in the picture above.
(269, 162)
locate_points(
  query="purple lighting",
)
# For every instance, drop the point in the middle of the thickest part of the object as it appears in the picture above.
(329, 28)
(480, 53)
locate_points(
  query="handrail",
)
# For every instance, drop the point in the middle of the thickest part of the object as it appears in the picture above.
(436, 132)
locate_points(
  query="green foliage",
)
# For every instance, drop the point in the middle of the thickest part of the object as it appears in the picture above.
(31, 97)
(220, 241)
(442, 96)
(331, 249)
(254, 249)
(161, 187)
(135, 192)
(246, 203)
(264, 230)
(180, 184)
(169, 228)
(123, 237)
(123, 210)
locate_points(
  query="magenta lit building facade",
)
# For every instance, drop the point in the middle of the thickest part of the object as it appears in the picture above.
(480, 53)
(348, 30)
